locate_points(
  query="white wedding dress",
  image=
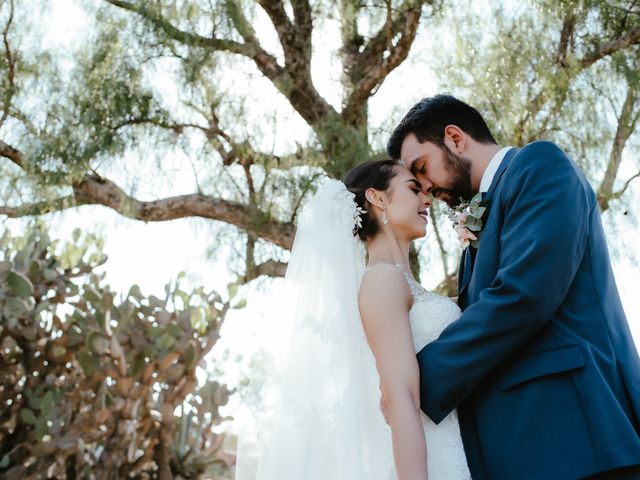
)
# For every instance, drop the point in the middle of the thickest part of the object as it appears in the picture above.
(318, 416)
(429, 316)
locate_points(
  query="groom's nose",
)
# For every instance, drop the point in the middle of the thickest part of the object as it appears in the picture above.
(427, 186)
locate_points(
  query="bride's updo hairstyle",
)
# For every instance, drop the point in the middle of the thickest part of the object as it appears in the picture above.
(375, 174)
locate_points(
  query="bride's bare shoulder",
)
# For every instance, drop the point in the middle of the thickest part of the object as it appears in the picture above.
(384, 284)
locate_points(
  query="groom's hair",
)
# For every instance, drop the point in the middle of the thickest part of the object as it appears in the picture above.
(428, 118)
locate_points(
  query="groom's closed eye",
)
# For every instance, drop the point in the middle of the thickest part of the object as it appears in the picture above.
(418, 169)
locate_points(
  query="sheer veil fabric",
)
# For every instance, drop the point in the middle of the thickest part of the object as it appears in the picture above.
(325, 421)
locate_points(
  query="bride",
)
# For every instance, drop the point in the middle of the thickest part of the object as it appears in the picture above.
(355, 333)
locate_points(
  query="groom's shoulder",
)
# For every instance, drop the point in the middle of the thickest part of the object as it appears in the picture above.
(543, 163)
(539, 151)
(541, 155)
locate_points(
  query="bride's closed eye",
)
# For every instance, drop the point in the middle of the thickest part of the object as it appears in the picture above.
(414, 185)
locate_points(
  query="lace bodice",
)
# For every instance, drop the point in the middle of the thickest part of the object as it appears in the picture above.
(430, 314)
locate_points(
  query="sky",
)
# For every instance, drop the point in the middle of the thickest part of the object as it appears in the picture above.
(153, 254)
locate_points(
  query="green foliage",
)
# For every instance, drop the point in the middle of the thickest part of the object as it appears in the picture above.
(107, 107)
(528, 78)
(344, 146)
(87, 379)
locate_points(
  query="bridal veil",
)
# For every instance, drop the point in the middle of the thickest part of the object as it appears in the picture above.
(325, 422)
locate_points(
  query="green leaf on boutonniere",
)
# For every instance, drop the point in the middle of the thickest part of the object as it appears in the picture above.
(477, 212)
(476, 200)
(467, 220)
(472, 223)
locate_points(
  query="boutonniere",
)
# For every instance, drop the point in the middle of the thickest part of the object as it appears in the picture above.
(467, 220)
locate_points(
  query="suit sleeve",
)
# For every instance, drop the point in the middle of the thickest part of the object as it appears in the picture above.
(543, 238)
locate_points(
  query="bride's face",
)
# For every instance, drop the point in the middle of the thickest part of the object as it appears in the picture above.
(407, 205)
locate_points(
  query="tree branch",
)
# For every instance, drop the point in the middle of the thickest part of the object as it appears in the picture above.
(632, 37)
(11, 153)
(95, 190)
(304, 22)
(563, 71)
(101, 191)
(620, 192)
(298, 89)
(250, 184)
(271, 268)
(443, 252)
(265, 61)
(280, 20)
(296, 83)
(566, 39)
(11, 70)
(295, 38)
(231, 151)
(627, 121)
(39, 208)
(381, 56)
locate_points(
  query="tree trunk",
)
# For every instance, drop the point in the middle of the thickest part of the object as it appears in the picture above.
(626, 125)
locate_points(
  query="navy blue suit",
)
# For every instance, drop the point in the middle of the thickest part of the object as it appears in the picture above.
(541, 364)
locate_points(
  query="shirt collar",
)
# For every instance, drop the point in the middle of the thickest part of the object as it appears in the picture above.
(492, 168)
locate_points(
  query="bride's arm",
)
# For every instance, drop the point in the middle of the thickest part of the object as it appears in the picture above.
(385, 300)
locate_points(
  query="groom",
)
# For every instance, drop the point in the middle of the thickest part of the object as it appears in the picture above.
(541, 364)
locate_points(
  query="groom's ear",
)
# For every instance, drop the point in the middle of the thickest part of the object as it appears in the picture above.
(455, 139)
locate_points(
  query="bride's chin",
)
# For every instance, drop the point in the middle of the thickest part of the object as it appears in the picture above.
(419, 234)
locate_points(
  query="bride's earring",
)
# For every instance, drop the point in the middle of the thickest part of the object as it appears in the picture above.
(385, 220)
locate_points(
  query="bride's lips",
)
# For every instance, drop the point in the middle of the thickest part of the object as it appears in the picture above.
(423, 214)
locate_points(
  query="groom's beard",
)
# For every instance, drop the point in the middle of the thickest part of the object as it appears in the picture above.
(459, 169)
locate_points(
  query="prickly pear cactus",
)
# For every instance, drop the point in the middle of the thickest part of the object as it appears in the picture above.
(93, 385)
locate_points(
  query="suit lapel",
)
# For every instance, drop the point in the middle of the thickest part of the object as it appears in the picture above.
(464, 274)
(468, 256)
(461, 269)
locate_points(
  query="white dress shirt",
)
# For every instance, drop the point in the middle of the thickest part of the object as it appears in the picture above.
(492, 168)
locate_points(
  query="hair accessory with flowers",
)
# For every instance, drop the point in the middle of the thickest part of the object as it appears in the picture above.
(467, 220)
(357, 217)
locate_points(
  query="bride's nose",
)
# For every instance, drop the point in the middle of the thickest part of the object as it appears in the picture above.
(427, 199)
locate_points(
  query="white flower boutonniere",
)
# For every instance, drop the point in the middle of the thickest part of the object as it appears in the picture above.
(467, 221)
